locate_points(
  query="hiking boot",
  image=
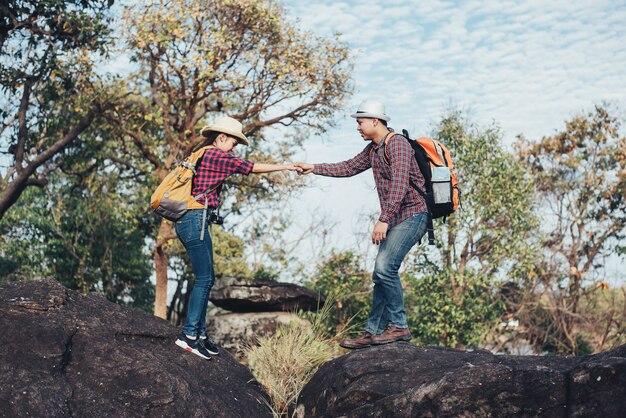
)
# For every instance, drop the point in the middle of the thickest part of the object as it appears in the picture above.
(392, 334)
(362, 341)
(210, 345)
(193, 346)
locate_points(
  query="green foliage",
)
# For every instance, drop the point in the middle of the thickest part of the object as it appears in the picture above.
(87, 229)
(228, 253)
(490, 229)
(342, 279)
(451, 309)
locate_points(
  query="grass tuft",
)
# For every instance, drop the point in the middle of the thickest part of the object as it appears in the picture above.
(284, 362)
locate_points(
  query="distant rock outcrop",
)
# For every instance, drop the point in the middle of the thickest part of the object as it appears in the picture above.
(249, 295)
(65, 354)
(235, 331)
(403, 380)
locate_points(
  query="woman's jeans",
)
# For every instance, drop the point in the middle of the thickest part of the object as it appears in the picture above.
(200, 253)
(388, 306)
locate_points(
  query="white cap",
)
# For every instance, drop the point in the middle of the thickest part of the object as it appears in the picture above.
(371, 109)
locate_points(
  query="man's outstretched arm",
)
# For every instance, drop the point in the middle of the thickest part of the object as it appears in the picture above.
(348, 168)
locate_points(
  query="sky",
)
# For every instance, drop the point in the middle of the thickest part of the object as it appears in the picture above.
(527, 66)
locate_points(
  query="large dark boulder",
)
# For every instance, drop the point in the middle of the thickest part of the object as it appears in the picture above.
(249, 295)
(65, 354)
(403, 380)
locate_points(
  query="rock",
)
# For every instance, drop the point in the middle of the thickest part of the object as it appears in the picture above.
(236, 330)
(403, 380)
(249, 295)
(66, 354)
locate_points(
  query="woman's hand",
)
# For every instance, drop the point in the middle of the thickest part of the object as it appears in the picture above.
(293, 167)
(305, 168)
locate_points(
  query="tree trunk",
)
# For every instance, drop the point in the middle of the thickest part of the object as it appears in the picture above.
(161, 262)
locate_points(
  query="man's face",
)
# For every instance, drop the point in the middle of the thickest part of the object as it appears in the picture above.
(366, 127)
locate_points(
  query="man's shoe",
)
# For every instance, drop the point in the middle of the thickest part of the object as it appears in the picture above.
(209, 344)
(362, 341)
(193, 346)
(391, 335)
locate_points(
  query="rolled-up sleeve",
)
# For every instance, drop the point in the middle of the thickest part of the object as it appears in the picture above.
(243, 166)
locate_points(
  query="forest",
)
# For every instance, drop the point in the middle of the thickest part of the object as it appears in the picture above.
(521, 263)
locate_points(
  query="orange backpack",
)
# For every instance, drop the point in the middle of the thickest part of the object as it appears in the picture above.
(440, 177)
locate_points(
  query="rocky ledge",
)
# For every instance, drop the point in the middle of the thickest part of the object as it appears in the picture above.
(403, 380)
(249, 295)
(66, 354)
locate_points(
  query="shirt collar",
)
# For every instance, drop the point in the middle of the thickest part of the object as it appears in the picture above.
(382, 142)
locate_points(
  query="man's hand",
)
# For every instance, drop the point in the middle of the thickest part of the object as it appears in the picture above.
(294, 167)
(380, 232)
(306, 168)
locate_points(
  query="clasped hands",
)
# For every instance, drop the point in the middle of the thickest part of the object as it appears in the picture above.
(300, 168)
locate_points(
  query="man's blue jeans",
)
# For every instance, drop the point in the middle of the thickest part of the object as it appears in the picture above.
(388, 305)
(200, 253)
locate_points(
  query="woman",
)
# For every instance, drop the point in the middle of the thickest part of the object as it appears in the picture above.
(217, 164)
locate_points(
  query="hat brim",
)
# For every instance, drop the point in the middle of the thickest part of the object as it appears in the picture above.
(241, 138)
(371, 115)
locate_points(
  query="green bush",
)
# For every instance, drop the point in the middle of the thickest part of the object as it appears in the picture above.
(451, 309)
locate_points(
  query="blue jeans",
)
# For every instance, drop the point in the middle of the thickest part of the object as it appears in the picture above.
(388, 305)
(200, 253)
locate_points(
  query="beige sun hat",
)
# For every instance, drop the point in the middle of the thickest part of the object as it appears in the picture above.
(371, 109)
(228, 126)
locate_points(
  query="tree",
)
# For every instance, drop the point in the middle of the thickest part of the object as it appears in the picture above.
(47, 51)
(243, 58)
(484, 242)
(580, 178)
(82, 230)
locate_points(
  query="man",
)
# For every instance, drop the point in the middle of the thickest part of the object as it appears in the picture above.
(216, 165)
(401, 224)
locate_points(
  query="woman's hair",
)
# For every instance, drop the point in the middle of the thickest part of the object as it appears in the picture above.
(209, 139)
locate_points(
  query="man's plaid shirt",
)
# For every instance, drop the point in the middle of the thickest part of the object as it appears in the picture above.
(398, 199)
(214, 167)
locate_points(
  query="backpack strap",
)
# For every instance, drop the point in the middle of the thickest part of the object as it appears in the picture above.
(440, 153)
(386, 158)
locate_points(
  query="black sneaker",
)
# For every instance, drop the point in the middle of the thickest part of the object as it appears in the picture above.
(193, 346)
(210, 345)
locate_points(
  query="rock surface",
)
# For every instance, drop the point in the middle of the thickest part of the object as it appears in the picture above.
(403, 380)
(249, 295)
(234, 331)
(65, 354)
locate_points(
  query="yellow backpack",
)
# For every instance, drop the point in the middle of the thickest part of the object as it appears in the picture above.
(172, 199)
